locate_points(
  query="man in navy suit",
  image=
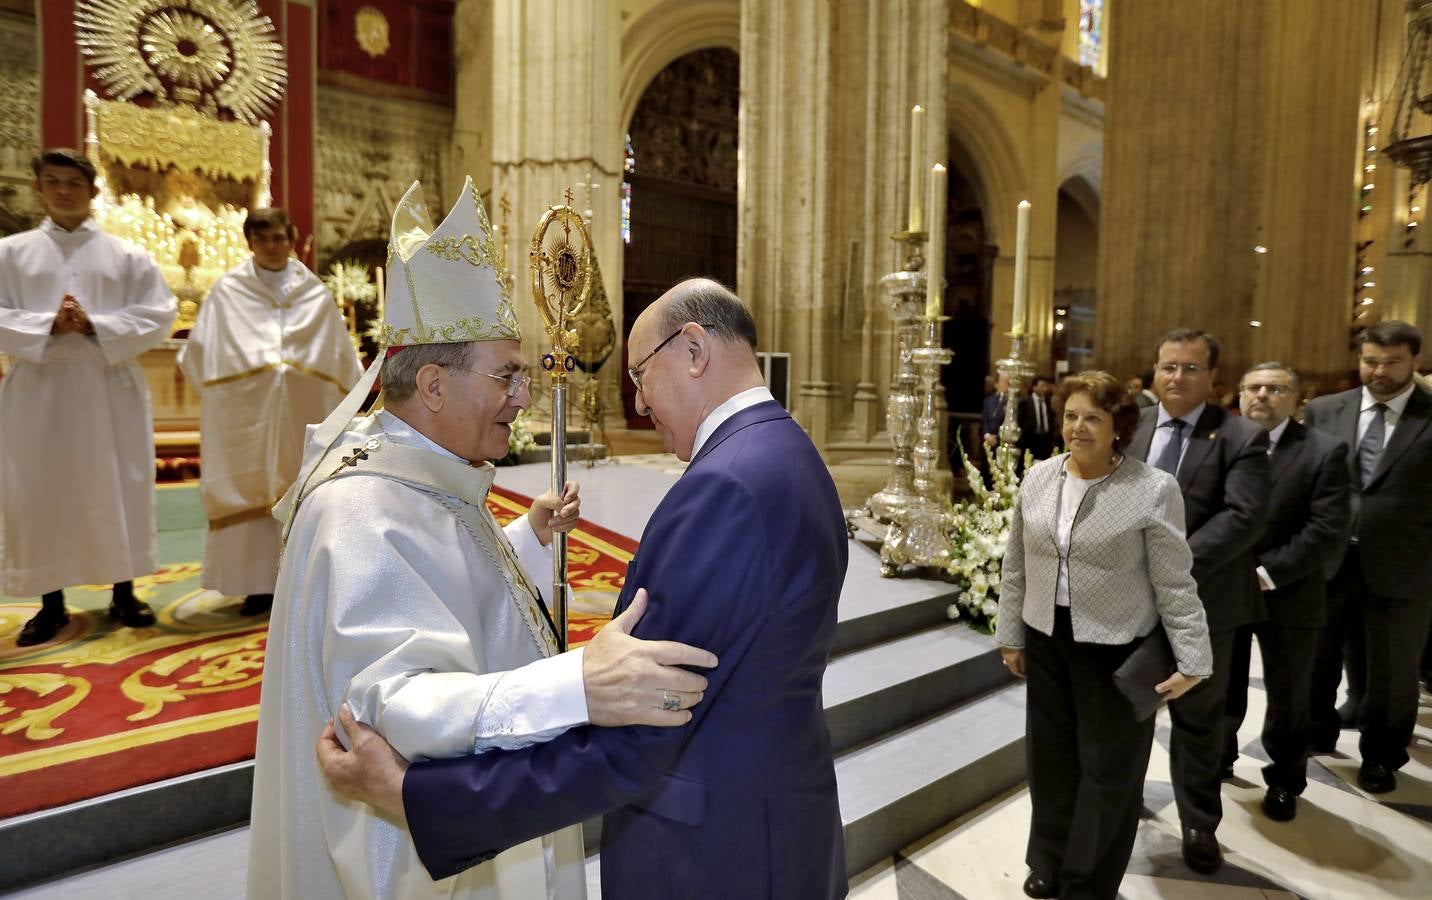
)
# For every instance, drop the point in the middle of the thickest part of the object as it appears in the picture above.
(1302, 546)
(1221, 463)
(1380, 603)
(745, 556)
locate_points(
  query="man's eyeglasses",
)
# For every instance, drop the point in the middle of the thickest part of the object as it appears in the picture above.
(1191, 370)
(515, 382)
(1274, 390)
(638, 370)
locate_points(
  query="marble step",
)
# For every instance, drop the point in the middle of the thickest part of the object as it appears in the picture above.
(882, 687)
(875, 609)
(903, 786)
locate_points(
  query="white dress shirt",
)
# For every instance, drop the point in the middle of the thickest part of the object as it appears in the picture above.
(1071, 495)
(1395, 408)
(725, 411)
(1163, 435)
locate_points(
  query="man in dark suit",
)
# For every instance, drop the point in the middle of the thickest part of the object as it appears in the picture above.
(1037, 428)
(747, 550)
(1221, 463)
(992, 416)
(1380, 603)
(1301, 547)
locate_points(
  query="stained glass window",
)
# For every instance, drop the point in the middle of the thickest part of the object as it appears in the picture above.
(628, 166)
(1091, 32)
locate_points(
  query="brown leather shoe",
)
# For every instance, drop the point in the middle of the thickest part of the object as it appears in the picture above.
(42, 627)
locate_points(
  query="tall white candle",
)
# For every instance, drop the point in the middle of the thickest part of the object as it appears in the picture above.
(917, 168)
(1021, 267)
(935, 269)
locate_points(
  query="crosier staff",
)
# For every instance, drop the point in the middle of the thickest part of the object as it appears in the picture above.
(561, 281)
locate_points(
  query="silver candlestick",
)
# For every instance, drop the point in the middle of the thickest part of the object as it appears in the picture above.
(1017, 370)
(906, 292)
(918, 535)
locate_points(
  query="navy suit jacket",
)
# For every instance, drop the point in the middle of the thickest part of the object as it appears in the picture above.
(1224, 481)
(1393, 512)
(1309, 517)
(745, 556)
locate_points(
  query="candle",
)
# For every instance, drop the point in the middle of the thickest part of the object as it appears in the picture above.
(378, 271)
(1021, 267)
(935, 269)
(917, 168)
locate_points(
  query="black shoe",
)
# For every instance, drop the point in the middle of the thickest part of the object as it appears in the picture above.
(1324, 741)
(1347, 714)
(1034, 886)
(1200, 851)
(1375, 778)
(42, 627)
(1226, 773)
(1280, 805)
(256, 605)
(132, 614)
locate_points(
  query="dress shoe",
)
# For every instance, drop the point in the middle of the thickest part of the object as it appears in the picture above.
(1375, 778)
(133, 614)
(1280, 805)
(256, 605)
(1034, 886)
(1324, 741)
(1347, 714)
(42, 627)
(1200, 851)
(1226, 773)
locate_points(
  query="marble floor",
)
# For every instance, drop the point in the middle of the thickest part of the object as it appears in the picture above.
(1344, 844)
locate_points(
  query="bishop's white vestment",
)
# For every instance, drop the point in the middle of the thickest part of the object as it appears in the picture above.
(400, 595)
(76, 430)
(269, 354)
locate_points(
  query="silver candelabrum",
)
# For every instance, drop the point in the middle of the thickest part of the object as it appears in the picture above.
(906, 292)
(919, 534)
(1017, 370)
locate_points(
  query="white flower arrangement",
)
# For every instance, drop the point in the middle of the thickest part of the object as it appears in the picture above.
(520, 438)
(979, 531)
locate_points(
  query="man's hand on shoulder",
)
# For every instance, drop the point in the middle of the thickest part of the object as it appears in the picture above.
(634, 682)
(372, 772)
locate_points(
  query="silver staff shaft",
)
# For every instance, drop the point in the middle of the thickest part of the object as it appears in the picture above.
(559, 481)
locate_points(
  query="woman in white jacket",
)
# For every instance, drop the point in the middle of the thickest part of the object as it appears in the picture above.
(1096, 560)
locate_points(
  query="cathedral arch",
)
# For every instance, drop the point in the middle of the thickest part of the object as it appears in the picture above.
(668, 31)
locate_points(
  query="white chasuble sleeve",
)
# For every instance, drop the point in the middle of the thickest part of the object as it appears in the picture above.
(406, 596)
(144, 321)
(25, 334)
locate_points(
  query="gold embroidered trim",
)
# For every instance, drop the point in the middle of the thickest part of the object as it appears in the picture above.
(296, 366)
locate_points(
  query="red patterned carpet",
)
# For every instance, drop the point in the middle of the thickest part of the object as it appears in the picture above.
(109, 708)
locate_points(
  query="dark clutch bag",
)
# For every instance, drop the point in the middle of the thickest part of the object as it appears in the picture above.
(1150, 664)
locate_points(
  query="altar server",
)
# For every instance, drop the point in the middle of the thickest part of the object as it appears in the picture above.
(269, 354)
(77, 308)
(400, 596)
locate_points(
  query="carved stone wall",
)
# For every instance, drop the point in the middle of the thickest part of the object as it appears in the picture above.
(370, 149)
(19, 122)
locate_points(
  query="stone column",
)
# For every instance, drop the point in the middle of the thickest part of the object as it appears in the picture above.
(1231, 125)
(826, 90)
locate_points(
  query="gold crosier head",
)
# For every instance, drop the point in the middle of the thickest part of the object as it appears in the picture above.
(561, 281)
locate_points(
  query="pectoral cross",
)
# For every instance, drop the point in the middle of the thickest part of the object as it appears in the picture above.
(358, 453)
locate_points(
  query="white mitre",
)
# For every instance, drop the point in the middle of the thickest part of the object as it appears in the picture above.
(449, 284)
(444, 286)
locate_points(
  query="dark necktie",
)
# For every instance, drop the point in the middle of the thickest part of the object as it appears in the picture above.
(1369, 449)
(1168, 459)
(1042, 426)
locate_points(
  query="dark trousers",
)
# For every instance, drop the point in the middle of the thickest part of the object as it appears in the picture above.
(1287, 666)
(1196, 745)
(1087, 757)
(1388, 635)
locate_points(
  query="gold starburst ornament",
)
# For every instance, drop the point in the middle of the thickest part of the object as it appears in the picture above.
(210, 54)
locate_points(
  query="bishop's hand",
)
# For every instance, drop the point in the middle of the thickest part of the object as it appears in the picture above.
(551, 513)
(634, 682)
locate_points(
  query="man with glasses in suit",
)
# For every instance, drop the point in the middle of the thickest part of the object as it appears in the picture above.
(1221, 463)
